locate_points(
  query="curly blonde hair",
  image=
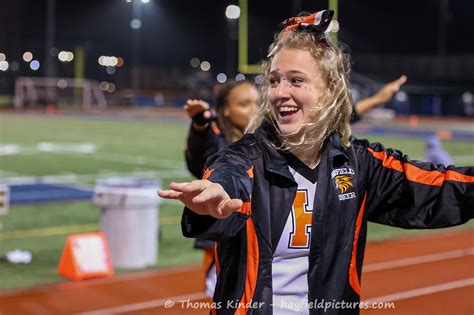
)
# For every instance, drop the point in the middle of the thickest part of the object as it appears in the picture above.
(335, 105)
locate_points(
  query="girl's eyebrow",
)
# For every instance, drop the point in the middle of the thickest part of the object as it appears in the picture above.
(277, 71)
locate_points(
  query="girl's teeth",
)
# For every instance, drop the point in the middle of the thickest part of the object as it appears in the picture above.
(288, 109)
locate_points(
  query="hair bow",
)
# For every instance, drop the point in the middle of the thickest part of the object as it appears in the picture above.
(319, 23)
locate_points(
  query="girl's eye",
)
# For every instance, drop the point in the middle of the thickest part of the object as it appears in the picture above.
(273, 81)
(245, 103)
(296, 81)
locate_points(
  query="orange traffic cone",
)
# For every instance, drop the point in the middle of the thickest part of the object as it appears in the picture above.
(413, 121)
(86, 256)
(50, 109)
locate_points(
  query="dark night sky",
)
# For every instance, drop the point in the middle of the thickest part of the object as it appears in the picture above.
(176, 30)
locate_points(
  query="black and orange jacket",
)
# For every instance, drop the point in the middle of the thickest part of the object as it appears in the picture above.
(202, 144)
(199, 146)
(380, 185)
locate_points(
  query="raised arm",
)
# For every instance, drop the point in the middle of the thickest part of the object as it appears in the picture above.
(203, 138)
(412, 194)
(382, 96)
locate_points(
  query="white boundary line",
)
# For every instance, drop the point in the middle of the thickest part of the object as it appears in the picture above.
(167, 302)
(418, 260)
(422, 291)
(171, 301)
(78, 178)
(369, 268)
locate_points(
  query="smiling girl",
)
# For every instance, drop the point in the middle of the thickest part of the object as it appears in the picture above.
(288, 204)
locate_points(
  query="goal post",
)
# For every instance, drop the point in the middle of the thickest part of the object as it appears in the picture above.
(62, 92)
(244, 65)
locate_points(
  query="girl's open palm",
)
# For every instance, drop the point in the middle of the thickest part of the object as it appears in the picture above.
(203, 197)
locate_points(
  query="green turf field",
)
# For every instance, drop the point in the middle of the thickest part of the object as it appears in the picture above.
(77, 150)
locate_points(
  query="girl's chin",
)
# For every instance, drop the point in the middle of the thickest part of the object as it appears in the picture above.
(289, 131)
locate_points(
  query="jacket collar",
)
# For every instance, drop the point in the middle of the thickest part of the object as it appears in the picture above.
(275, 160)
(337, 153)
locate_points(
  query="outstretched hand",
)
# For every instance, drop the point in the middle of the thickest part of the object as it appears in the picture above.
(194, 107)
(203, 197)
(386, 93)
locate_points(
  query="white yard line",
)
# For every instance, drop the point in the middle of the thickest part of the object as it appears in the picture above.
(138, 160)
(4, 173)
(422, 291)
(173, 300)
(404, 262)
(182, 299)
(83, 178)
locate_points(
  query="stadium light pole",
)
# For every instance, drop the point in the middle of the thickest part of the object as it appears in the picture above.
(136, 25)
(232, 14)
(50, 70)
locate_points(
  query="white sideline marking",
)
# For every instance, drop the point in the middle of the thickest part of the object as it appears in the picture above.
(147, 304)
(76, 178)
(48, 147)
(4, 173)
(89, 151)
(418, 260)
(423, 291)
(369, 268)
(138, 160)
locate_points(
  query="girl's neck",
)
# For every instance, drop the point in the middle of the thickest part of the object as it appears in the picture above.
(236, 134)
(310, 157)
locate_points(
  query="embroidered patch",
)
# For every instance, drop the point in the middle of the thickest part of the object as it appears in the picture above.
(343, 181)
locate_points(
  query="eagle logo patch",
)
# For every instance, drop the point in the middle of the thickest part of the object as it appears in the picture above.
(343, 182)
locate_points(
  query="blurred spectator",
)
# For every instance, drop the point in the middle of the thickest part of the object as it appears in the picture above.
(435, 152)
(382, 96)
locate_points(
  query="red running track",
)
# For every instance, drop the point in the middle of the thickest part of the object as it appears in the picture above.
(420, 275)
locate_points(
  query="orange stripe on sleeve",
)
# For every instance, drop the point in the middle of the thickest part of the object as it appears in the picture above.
(246, 208)
(216, 259)
(250, 172)
(455, 176)
(252, 269)
(418, 175)
(353, 275)
(216, 130)
(207, 173)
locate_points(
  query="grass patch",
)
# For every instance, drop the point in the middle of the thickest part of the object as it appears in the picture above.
(123, 147)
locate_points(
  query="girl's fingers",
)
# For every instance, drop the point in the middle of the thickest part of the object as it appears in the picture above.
(232, 205)
(178, 186)
(211, 192)
(169, 194)
(196, 186)
(228, 206)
